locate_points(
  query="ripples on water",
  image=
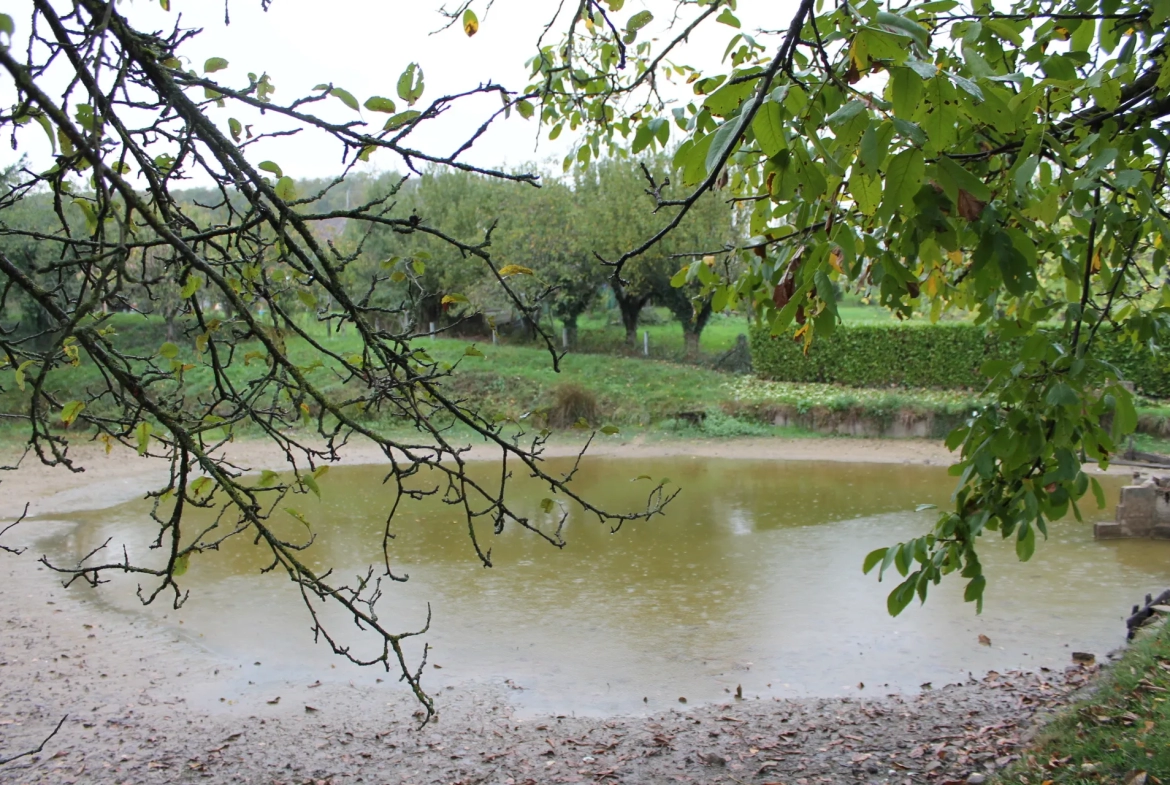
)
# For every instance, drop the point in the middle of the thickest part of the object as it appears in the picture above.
(753, 577)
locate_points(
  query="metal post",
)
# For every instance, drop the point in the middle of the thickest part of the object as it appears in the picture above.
(646, 342)
(565, 337)
(432, 331)
(495, 338)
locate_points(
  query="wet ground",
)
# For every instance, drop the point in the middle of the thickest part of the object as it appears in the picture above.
(127, 689)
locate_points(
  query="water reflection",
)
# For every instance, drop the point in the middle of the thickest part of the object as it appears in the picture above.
(751, 578)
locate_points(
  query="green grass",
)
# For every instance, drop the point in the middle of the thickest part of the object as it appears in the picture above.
(516, 381)
(1120, 731)
(603, 332)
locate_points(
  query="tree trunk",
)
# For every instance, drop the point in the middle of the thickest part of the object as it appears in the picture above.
(630, 308)
(694, 328)
(570, 323)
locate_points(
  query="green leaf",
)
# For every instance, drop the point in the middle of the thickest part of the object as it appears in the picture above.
(768, 126)
(286, 189)
(901, 24)
(724, 137)
(235, 128)
(193, 284)
(70, 411)
(269, 166)
(866, 191)
(1025, 541)
(181, 563)
(199, 485)
(299, 517)
(471, 351)
(1125, 417)
(845, 113)
(6, 25)
(903, 179)
(214, 64)
(1060, 394)
(900, 597)
(346, 97)
(547, 505)
(169, 350)
(142, 435)
(311, 483)
(400, 119)
(267, 478)
(610, 430)
(377, 103)
(1059, 67)
(963, 180)
(638, 21)
(906, 91)
(872, 559)
(728, 18)
(1098, 492)
(410, 84)
(974, 592)
(20, 373)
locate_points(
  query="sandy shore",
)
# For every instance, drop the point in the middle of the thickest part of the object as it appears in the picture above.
(137, 695)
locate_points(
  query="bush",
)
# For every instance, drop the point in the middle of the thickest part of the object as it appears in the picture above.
(946, 356)
(572, 403)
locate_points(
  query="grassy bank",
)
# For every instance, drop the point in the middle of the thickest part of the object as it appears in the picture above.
(1120, 734)
(634, 393)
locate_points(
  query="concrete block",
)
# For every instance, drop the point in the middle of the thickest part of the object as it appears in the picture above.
(1107, 530)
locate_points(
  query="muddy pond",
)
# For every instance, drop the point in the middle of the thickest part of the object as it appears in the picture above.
(752, 578)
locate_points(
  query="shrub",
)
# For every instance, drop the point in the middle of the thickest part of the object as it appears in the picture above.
(946, 356)
(572, 403)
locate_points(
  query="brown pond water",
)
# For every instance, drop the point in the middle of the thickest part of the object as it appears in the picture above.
(752, 578)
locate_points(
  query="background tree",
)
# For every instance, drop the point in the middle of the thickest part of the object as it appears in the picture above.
(543, 230)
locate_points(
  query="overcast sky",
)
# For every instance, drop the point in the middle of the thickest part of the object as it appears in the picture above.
(363, 46)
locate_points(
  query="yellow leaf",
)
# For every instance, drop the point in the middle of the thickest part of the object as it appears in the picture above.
(835, 260)
(514, 269)
(470, 23)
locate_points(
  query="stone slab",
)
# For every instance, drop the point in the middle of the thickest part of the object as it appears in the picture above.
(1107, 530)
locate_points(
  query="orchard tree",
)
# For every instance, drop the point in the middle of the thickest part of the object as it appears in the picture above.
(1007, 161)
(542, 231)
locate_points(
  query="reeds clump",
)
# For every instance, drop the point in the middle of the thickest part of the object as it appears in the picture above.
(572, 404)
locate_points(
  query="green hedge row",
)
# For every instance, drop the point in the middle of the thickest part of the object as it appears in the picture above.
(943, 356)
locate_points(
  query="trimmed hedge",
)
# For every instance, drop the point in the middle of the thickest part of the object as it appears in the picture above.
(944, 356)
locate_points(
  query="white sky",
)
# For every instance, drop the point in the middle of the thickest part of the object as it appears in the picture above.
(363, 46)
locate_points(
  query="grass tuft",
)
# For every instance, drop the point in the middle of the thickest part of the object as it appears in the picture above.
(1119, 734)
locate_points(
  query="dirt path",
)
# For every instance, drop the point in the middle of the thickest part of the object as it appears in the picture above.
(146, 705)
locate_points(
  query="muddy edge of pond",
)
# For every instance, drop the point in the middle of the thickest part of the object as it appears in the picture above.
(129, 687)
(121, 475)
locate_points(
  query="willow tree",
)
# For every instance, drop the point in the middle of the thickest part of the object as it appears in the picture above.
(1006, 161)
(132, 124)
